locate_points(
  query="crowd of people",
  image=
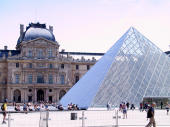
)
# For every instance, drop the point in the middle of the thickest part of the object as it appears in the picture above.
(72, 107)
(30, 106)
(123, 107)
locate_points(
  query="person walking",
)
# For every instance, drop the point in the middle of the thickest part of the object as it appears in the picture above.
(124, 108)
(151, 116)
(4, 109)
(167, 108)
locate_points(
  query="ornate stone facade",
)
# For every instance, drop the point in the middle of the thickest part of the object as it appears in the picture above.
(36, 70)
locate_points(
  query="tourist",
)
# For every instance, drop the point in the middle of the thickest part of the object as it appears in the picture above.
(127, 105)
(146, 107)
(46, 106)
(124, 109)
(167, 108)
(108, 106)
(132, 107)
(24, 107)
(161, 104)
(29, 107)
(151, 115)
(69, 107)
(141, 106)
(60, 107)
(4, 109)
(120, 107)
(17, 107)
(77, 108)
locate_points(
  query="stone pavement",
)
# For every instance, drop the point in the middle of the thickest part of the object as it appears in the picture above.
(102, 118)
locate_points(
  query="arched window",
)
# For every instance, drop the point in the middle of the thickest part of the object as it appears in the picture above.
(17, 96)
(40, 78)
(62, 93)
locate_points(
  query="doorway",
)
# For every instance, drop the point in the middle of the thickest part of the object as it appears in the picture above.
(40, 95)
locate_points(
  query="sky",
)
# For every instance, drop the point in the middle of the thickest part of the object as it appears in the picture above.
(87, 25)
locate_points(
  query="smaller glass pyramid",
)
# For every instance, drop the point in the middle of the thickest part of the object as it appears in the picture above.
(132, 69)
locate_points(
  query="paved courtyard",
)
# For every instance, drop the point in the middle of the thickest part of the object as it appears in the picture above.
(91, 118)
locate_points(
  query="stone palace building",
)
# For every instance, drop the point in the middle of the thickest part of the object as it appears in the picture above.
(36, 70)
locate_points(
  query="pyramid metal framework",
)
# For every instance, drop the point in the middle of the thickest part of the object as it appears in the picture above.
(132, 69)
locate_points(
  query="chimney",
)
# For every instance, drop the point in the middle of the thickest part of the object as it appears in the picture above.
(51, 28)
(5, 47)
(9, 53)
(21, 29)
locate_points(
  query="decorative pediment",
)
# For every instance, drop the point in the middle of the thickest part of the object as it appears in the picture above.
(40, 42)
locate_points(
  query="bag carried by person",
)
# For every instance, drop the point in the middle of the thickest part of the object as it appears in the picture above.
(2, 107)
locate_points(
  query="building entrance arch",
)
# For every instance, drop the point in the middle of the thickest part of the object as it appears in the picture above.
(40, 95)
(17, 96)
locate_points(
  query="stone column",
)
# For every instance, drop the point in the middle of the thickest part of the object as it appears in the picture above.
(8, 93)
(22, 95)
(54, 95)
(35, 95)
(11, 98)
(46, 94)
(57, 94)
(25, 95)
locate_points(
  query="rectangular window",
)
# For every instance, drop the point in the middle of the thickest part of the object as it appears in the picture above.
(62, 79)
(50, 53)
(30, 78)
(29, 53)
(17, 65)
(77, 67)
(50, 79)
(40, 53)
(40, 78)
(17, 78)
(62, 66)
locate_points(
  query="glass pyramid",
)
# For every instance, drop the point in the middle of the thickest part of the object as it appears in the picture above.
(132, 69)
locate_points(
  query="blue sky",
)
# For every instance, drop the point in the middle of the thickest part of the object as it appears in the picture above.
(87, 25)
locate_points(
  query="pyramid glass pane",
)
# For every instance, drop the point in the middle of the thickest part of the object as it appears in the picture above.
(132, 69)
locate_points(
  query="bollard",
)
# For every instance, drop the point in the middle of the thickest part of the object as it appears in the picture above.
(116, 117)
(83, 124)
(9, 119)
(44, 117)
(47, 116)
